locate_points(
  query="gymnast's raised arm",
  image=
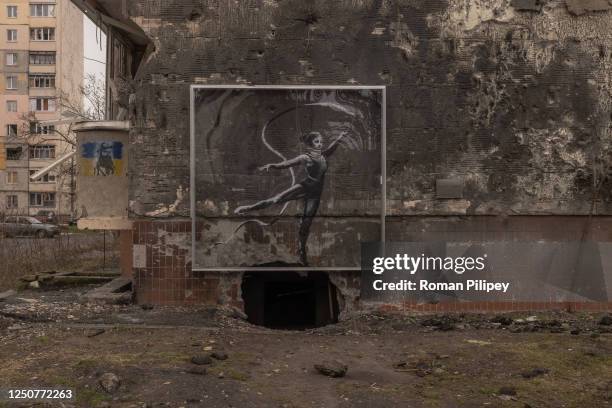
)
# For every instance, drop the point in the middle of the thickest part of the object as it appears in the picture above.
(333, 145)
(285, 164)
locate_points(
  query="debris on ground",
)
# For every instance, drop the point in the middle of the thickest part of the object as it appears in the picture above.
(201, 359)
(109, 382)
(332, 368)
(535, 372)
(219, 355)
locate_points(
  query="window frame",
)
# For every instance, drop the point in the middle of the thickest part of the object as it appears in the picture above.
(48, 178)
(10, 8)
(39, 102)
(41, 78)
(12, 201)
(9, 35)
(12, 177)
(40, 201)
(13, 157)
(43, 55)
(10, 103)
(15, 59)
(38, 34)
(11, 82)
(43, 6)
(42, 152)
(9, 130)
(37, 129)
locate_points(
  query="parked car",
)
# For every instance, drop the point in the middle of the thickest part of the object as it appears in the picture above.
(18, 226)
(46, 217)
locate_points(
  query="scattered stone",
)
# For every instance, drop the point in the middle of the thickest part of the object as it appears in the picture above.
(536, 372)
(575, 331)
(201, 359)
(146, 306)
(606, 320)
(531, 319)
(109, 382)
(34, 285)
(507, 390)
(503, 320)
(239, 314)
(443, 323)
(557, 330)
(332, 368)
(219, 355)
(197, 370)
(94, 332)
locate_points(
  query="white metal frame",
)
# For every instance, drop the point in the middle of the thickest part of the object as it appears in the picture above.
(192, 164)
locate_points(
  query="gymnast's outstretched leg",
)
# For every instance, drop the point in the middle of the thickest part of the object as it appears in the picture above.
(292, 193)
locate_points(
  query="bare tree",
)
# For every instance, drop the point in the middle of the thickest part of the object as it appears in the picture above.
(90, 105)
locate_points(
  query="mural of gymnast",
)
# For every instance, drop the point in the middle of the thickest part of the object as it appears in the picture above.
(309, 189)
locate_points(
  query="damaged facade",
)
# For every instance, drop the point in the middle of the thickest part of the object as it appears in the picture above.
(498, 119)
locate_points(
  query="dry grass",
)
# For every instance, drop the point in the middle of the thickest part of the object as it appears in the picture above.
(67, 252)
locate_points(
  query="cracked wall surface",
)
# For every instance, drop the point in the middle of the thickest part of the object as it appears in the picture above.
(510, 99)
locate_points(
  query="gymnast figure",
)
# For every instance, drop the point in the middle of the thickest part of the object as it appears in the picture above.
(309, 189)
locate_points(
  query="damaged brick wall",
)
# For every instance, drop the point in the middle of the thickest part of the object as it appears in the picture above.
(509, 100)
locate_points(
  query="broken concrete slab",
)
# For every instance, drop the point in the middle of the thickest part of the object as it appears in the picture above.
(580, 7)
(7, 294)
(527, 5)
(117, 291)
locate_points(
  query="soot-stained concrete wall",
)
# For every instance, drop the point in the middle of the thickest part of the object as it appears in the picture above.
(511, 97)
(508, 100)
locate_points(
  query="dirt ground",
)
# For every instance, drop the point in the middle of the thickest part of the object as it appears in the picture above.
(51, 339)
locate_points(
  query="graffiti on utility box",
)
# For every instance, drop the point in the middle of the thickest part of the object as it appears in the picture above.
(102, 158)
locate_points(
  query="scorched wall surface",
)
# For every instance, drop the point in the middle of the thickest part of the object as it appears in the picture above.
(508, 102)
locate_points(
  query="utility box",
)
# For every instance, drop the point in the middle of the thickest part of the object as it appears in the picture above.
(102, 178)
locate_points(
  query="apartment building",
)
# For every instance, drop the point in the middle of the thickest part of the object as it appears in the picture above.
(41, 69)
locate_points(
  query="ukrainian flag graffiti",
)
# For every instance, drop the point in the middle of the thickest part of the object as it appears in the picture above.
(102, 158)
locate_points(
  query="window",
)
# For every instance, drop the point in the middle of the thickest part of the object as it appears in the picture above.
(119, 59)
(42, 34)
(11, 82)
(11, 177)
(42, 105)
(38, 129)
(13, 153)
(11, 58)
(47, 178)
(42, 199)
(11, 201)
(11, 35)
(42, 10)
(11, 11)
(42, 81)
(11, 130)
(42, 152)
(42, 58)
(11, 106)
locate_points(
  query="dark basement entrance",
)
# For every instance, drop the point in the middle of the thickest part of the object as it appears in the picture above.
(288, 300)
